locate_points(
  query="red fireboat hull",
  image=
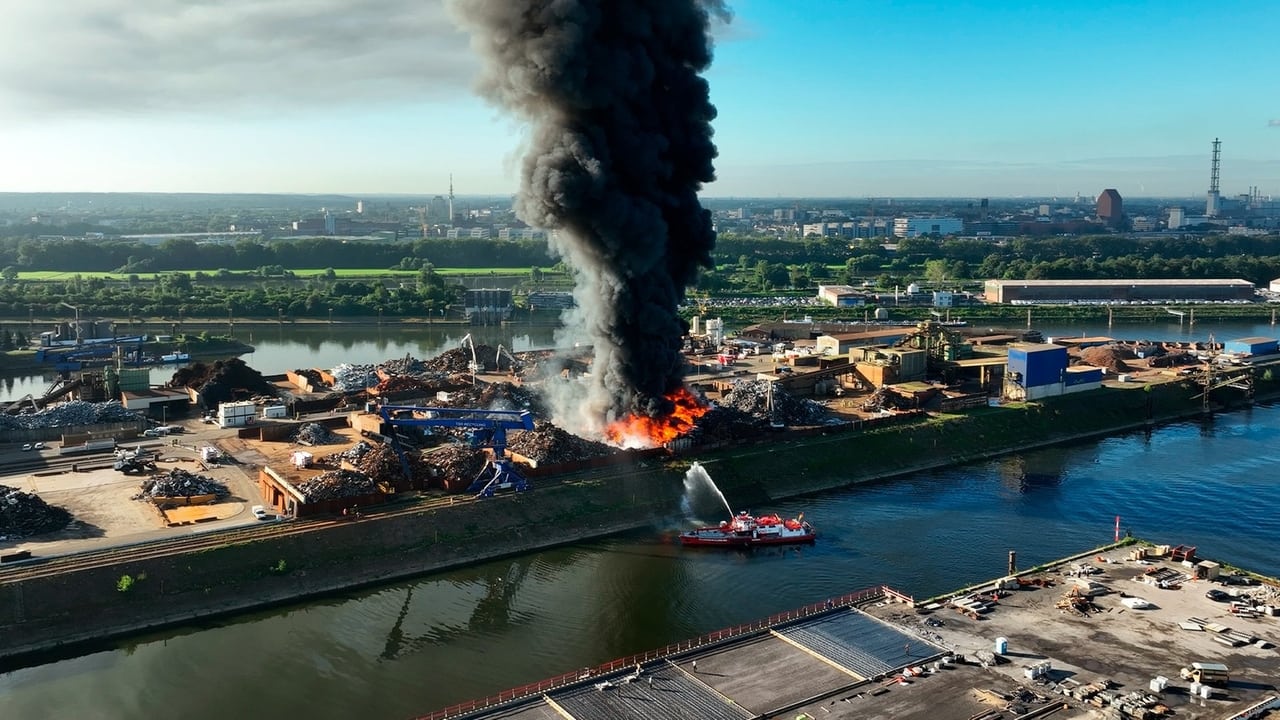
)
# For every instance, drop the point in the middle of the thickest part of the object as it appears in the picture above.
(734, 541)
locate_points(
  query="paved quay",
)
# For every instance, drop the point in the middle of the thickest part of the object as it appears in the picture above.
(879, 654)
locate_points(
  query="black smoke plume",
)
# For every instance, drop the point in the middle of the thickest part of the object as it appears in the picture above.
(620, 144)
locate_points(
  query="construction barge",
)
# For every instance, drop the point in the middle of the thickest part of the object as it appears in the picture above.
(1067, 640)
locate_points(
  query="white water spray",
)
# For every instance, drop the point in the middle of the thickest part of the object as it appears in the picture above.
(697, 482)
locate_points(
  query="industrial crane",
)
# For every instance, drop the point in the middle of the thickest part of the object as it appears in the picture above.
(489, 429)
(497, 360)
(73, 307)
(474, 365)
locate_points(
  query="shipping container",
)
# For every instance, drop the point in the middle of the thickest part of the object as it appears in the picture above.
(275, 411)
(1082, 375)
(1037, 364)
(236, 414)
(1251, 346)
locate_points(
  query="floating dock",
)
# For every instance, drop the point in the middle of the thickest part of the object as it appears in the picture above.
(1024, 646)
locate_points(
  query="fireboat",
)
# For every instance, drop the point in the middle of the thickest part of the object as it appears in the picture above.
(747, 530)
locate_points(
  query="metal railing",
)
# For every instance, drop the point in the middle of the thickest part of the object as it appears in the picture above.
(675, 649)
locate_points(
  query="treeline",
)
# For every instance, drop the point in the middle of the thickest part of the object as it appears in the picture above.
(179, 295)
(105, 255)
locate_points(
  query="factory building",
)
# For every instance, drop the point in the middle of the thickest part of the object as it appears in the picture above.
(910, 227)
(1039, 370)
(841, 295)
(1027, 292)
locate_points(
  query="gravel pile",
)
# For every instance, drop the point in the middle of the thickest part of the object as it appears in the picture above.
(348, 377)
(317, 434)
(180, 483)
(219, 382)
(23, 514)
(1107, 356)
(336, 484)
(546, 443)
(75, 412)
(752, 398)
(456, 466)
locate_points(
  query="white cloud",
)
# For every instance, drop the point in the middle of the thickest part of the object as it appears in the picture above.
(1274, 123)
(93, 57)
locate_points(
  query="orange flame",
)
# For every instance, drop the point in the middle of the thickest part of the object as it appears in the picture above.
(645, 431)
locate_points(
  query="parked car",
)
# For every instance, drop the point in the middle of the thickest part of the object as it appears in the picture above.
(260, 512)
(28, 446)
(39, 446)
(1217, 596)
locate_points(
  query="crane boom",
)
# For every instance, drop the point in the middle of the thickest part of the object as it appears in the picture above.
(490, 427)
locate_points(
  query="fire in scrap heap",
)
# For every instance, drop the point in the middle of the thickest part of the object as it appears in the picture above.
(489, 429)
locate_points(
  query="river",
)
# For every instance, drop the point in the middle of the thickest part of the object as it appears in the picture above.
(411, 647)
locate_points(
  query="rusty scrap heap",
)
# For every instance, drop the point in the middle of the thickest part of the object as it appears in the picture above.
(497, 396)
(456, 465)
(382, 464)
(548, 444)
(458, 360)
(337, 484)
(180, 483)
(23, 514)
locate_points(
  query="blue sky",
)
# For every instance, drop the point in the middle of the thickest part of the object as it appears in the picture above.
(818, 98)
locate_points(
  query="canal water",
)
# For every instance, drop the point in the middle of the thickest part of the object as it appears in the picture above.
(410, 647)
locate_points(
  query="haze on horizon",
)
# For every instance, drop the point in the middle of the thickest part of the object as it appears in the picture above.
(827, 98)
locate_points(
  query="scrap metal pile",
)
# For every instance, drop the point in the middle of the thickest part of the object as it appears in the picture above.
(220, 382)
(314, 379)
(348, 377)
(180, 483)
(382, 463)
(456, 465)
(75, 412)
(497, 396)
(352, 455)
(317, 434)
(337, 484)
(458, 360)
(23, 514)
(753, 397)
(548, 444)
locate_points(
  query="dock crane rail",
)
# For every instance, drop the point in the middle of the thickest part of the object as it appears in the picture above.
(489, 429)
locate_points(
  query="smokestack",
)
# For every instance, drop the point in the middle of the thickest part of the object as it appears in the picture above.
(620, 146)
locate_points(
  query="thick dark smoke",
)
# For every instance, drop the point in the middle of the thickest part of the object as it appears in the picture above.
(619, 147)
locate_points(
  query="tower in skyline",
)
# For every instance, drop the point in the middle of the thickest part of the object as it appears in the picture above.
(1110, 207)
(450, 198)
(1213, 203)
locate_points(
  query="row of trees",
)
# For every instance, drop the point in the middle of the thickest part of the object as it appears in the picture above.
(87, 255)
(179, 295)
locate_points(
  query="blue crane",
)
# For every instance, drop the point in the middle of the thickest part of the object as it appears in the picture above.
(488, 429)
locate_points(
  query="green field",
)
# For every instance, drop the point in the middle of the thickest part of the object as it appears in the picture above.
(50, 275)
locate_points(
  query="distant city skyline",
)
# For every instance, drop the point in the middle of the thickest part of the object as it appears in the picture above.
(826, 98)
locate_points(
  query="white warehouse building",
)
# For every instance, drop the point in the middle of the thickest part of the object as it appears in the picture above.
(909, 227)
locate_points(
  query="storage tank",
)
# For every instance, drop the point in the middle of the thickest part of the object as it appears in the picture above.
(882, 313)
